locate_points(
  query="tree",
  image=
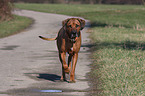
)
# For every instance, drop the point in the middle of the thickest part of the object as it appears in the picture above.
(5, 10)
(143, 2)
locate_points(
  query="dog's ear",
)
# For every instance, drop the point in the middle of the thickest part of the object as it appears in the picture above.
(82, 23)
(65, 22)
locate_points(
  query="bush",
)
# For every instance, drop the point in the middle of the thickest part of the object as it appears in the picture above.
(5, 10)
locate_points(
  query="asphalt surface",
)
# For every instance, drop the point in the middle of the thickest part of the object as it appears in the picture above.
(30, 66)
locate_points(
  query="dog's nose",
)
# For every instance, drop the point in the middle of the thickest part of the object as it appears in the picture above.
(74, 32)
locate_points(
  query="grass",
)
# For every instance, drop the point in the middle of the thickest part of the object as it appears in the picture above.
(119, 52)
(14, 26)
(100, 15)
(120, 57)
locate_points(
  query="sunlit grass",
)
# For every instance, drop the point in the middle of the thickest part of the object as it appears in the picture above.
(120, 56)
(112, 15)
(14, 26)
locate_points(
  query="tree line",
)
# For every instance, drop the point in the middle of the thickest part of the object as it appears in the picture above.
(84, 1)
(6, 5)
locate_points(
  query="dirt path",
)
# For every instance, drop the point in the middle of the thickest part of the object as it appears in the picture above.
(29, 65)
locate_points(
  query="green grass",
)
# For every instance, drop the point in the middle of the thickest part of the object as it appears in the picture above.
(120, 57)
(119, 52)
(102, 15)
(14, 26)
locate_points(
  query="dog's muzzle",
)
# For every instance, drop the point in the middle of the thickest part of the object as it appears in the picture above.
(73, 36)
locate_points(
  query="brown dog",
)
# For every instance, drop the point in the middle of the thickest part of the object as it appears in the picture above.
(69, 40)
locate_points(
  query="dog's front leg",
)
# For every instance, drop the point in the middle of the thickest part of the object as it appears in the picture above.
(69, 61)
(63, 78)
(64, 64)
(72, 74)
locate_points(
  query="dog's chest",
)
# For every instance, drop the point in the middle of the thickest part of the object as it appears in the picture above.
(69, 48)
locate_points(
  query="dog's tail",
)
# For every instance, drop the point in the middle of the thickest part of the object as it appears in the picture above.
(48, 39)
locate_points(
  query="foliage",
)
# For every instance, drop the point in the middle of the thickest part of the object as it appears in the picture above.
(84, 1)
(5, 10)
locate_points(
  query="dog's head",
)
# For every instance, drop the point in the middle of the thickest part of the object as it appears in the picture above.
(73, 27)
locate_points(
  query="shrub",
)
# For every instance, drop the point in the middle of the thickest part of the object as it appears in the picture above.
(5, 10)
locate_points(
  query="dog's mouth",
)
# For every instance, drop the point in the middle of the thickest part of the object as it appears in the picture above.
(73, 40)
(73, 37)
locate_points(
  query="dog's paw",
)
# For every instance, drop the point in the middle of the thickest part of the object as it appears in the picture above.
(72, 81)
(63, 80)
(67, 70)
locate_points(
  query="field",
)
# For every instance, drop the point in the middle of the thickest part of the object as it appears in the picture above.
(118, 39)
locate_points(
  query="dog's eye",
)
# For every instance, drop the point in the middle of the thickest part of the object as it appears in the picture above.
(70, 26)
(77, 25)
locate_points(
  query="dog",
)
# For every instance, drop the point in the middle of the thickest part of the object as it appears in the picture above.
(69, 41)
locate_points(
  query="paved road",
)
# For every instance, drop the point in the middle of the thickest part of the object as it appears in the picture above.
(29, 65)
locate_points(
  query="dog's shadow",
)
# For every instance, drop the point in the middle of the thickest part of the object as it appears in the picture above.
(50, 77)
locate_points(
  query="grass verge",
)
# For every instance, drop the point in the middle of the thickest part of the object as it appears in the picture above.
(119, 60)
(14, 26)
(118, 35)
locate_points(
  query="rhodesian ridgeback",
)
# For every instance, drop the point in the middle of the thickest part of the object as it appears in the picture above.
(69, 41)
